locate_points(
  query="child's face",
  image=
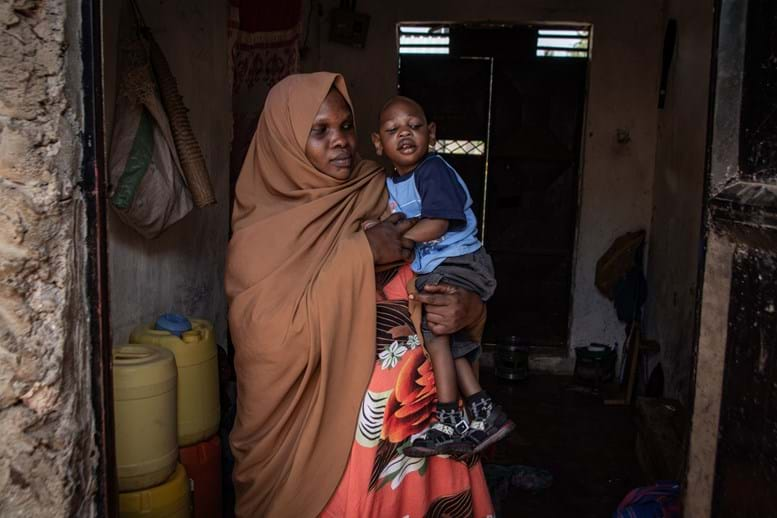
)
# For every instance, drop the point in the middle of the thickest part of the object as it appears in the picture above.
(404, 135)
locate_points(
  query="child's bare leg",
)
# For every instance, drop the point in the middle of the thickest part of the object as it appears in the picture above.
(439, 348)
(468, 382)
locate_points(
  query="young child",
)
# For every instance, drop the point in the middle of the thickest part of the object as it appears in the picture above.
(447, 250)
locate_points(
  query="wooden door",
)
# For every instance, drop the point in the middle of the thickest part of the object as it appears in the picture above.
(733, 448)
(531, 217)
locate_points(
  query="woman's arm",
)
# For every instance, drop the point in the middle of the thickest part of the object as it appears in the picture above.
(449, 309)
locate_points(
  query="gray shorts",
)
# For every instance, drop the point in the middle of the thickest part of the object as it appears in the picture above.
(473, 272)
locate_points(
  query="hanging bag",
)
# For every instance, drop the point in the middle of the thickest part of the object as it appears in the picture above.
(148, 190)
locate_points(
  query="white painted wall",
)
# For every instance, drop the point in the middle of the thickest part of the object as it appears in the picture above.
(183, 269)
(617, 179)
(675, 240)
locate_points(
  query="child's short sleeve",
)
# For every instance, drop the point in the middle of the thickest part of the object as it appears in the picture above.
(442, 196)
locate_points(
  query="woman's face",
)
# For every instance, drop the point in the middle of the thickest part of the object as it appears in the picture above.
(332, 139)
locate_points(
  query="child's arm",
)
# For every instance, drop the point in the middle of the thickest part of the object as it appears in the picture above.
(427, 229)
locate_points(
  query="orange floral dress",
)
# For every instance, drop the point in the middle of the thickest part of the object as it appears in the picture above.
(379, 481)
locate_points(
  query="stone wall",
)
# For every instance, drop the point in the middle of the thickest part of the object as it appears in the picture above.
(47, 450)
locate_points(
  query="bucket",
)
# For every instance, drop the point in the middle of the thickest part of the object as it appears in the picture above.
(203, 465)
(595, 364)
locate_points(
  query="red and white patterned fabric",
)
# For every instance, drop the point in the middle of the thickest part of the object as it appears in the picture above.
(379, 480)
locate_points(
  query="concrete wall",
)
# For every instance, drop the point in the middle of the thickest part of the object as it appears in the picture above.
(617, 179)
(183, 269)
(47, 450)
(675, 242)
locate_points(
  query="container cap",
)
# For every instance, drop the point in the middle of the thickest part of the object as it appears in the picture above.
(173, 323)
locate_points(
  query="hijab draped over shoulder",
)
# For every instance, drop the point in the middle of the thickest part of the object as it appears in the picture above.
(301, 287)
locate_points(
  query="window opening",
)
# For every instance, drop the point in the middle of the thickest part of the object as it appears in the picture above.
(460, 147)
(563, 43)
(424, 39)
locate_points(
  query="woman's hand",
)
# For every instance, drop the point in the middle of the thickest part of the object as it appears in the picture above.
(448, 308)
(386, 241)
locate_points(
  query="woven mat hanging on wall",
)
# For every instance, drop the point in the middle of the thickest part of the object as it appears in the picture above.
(192, 161)
(264, 38)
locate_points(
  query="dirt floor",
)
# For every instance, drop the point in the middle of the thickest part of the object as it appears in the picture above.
(587, 447)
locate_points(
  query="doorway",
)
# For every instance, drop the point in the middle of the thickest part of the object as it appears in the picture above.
(509, 103)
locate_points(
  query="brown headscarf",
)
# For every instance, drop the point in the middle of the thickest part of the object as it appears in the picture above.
(301, 285)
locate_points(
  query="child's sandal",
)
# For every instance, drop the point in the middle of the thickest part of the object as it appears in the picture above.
(440, 439)
(483, 433)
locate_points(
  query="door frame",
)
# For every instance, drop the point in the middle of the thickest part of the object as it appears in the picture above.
(94, 187)
(715, 265)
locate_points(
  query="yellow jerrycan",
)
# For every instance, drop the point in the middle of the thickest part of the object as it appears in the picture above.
(169, 500)
(193, 343)
(144, 395)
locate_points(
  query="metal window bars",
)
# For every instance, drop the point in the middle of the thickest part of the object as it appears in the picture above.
(563, 43)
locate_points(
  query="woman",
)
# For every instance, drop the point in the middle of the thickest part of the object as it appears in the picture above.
(302, 288)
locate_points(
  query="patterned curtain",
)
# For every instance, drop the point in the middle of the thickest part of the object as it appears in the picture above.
(264, 41)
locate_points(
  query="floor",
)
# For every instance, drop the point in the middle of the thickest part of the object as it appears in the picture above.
(587, 447)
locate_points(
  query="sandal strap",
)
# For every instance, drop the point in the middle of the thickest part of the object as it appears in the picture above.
(495, 419)
(442, 428)
(478, 425)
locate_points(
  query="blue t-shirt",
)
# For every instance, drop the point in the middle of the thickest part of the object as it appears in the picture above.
(435, 190)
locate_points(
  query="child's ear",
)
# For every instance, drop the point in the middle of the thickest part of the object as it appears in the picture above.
(432, 133)
(377, 143)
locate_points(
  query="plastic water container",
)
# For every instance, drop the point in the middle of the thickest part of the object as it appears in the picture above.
(169, 500)
(144, 395)
(203, 465)
(198, 377)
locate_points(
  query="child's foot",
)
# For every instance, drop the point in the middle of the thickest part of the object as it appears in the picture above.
(489, 422)
(440, 439)
(487, 430)
(445, 437)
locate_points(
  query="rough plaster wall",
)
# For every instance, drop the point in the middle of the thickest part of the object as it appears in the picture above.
(47, 450)
(675, 241)
(617, 179)
(183, 269)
